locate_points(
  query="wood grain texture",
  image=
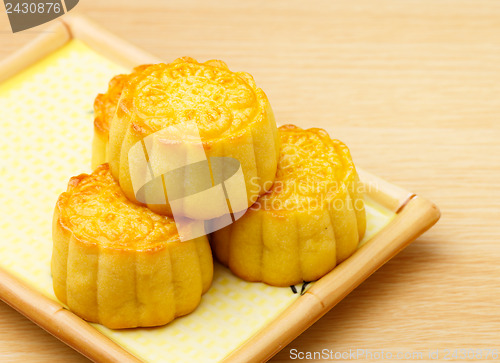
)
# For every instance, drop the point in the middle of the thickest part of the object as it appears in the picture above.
(417, 216)
(413, 88)
(57, 35)
(60, 322)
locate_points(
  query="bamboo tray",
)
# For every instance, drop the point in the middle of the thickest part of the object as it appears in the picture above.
(46, 94)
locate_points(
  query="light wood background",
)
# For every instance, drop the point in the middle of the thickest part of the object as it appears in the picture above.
(413, 88)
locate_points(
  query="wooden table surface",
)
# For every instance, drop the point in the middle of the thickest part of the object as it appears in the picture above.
(413, 88)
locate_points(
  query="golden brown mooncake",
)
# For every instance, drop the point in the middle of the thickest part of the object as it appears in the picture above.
(232, 116)
(104, 111)
(312, 219)
(119, 264)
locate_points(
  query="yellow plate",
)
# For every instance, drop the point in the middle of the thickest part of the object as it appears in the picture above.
(47, 129)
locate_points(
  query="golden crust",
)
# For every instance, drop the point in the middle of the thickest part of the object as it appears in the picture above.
(105, 103)
(221, 102)
(95, 210)
(233, 117)
(310, 170)
(119, 264)
(311, 219)
(105, 106)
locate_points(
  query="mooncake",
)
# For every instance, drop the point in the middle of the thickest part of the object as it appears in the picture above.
(312, 219)
(119, 264)
(221, 111)
(104, 110)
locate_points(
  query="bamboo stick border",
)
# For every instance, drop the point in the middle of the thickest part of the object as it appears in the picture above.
(55, 36)
(414, 219)
(106, 43)
(389, 195)
(415, 216)
(61, 323)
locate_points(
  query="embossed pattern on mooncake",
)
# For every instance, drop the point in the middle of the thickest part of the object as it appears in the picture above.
(231, 118)
(312, 218)
(119, 264)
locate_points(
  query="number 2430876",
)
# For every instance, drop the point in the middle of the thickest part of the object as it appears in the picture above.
(33, 8)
